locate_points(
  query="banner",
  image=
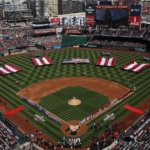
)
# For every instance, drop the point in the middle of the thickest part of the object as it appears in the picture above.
(55, 20)
(135, 20)
(146, 10)
(51, 30)
(111, 7)
(135, 15)
(73, 31)
(90, 20)
(76, 60)
(56, 47)
(14, 111)
(105, 2)
(90, 9)
(135, 10)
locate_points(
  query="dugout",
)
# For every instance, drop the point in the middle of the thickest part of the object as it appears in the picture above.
(1, 54)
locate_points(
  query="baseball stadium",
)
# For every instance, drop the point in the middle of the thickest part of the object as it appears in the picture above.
(85, 88)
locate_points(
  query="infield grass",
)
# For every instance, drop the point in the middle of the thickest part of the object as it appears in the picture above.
(57, 102)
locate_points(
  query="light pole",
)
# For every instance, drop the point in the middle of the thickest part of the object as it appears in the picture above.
(14, 12)
(41, 9)
(3, 7)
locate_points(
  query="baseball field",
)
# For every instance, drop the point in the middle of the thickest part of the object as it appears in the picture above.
(55, 86)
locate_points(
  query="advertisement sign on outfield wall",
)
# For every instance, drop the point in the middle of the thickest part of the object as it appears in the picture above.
(56, 47)
(90, 20)
(135, 20)
(55, 20)
(90, 9)
(135, 15)
(135, 10)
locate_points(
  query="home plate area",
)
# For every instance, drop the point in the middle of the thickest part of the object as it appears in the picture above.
(73, 128)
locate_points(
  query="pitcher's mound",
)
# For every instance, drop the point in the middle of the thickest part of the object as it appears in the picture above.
(74, 102)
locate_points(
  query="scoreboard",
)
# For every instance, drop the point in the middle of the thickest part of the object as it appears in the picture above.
(112, 15)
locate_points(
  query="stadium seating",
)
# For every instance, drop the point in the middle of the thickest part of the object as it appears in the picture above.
(135, 137)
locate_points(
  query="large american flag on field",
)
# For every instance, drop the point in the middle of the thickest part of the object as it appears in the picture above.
(102, 61)
(38, 61)
(9, 68)
(76, 61)
(135, 67)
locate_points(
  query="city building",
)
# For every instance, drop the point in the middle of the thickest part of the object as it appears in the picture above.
(47, 7)
(72, 6)
(14, 10)
(145, 10)
(1, 11)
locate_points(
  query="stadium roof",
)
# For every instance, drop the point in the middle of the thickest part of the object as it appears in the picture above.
(146, 22)
(72, 14)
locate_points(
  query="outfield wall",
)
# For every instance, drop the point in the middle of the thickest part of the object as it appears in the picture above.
(70, 40)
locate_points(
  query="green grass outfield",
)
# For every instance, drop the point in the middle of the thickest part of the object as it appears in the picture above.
(31, 74)
(57, 103)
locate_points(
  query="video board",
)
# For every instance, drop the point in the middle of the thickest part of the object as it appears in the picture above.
(112, 15)
(90, 14)
(135, 15)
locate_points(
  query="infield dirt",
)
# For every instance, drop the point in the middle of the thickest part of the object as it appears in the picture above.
(108, 88)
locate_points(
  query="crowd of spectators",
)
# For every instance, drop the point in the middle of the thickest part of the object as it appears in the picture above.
(22, 38)
(70, 143)
(47, 41)
(15, 38)
(146, 35)
(9, 136)
(111, 133)
(44, 31)
(135, 137)
(12, 138)
(118, 32)
(1, 46)
(7, 139)
(37, 138)
(122, 45)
